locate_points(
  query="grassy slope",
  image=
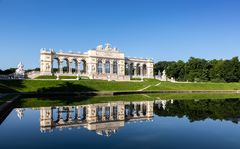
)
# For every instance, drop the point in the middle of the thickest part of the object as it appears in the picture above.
(40, 102)
(193, 96)
(81, 85)
(196, 86)
(100, 85)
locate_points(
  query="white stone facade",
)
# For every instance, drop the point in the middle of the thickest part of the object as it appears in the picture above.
(105, 63)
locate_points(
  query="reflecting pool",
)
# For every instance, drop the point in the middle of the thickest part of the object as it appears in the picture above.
(126, 124)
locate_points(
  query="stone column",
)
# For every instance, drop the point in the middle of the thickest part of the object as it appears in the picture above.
(141, 109)
(103, 114)
(61, 67)
(111, 67)
(78, 68)
(141, 70)
(70, 68)
(118, 68)
(78, 113)
(134, 110)
(111, 113)
(103, 67)
(135, 70)
(70, 115)
(129, 69)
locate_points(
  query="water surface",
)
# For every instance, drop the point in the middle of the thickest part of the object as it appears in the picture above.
(121, 124)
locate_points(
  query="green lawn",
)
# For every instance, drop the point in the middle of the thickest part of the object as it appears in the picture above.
(40, 102)
(192, 96)
(101, 85)
(196, 86)
(68, 86)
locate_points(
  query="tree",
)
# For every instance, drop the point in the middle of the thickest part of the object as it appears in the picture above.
(230, 70)
(196, 69)
(8, 71)
(176, 70)
(162, 65)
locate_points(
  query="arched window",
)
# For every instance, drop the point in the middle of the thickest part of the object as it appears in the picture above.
(115, 70)
(74, 66)
(83, 66)
(65, 66)
(55, 65)
(138, 69)
(107, 67)
(131, 69)
(144, 69)
(99, 67)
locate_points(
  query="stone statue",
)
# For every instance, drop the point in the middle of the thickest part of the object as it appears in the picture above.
(159, 74)
(99, 47)
(20, 73)
(57, 77)
(108, 47)
(164, 76)
(20, 113)
(78, 77)
(108, 78)
(115, 49)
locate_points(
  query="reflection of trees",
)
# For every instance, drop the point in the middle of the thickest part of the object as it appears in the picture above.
(228, 109)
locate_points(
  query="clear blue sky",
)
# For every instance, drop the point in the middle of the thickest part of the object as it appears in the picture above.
(159, 29)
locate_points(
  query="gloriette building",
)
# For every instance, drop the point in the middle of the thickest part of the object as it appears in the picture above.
(104, 62)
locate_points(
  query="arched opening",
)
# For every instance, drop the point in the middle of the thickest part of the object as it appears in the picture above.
(127, 111)
(83, 66)
(138, 69)
(115, 112)
(65, 65)
(107, 113)
(55, 114)
(99, 113)
(74, 65)
(55, 65)
(107, 67)
(144, 67)
(131, 69)
(99, 67)
(115, 69)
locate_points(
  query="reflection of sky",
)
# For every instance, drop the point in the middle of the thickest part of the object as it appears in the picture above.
(162, 132)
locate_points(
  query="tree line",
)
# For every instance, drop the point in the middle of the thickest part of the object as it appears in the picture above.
(227, 109)
(13, 70)
(201, 70)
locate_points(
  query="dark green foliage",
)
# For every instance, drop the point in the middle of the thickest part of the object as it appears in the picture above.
(201, 70)
(196, 110)
(8, 71)
(162, 65)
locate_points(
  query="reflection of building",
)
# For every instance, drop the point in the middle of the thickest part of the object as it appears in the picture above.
(20, 112)
(162, 103)
(100, 63)
(104, 118)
